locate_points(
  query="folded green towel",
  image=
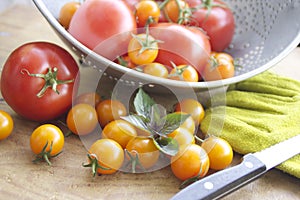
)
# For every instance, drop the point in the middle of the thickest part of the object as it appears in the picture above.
(257, 113)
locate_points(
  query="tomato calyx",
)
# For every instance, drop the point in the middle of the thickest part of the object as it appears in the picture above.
(208, 5)
(94, 164)
(134, 161)
(147, 43)
(178, 71)
(46, 155)
(50, 80)
(184, 13)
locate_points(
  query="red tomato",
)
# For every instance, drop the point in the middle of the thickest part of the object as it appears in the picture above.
(20, 87)
(218, 22)
(181, 45)
(105, 22)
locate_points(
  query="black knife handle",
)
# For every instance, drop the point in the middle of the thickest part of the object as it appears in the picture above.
(224, 182)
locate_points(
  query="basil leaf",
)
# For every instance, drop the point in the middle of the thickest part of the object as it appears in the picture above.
(167, 145)
(143, 103)
(157, 117)
(137, 121)
(172, 122)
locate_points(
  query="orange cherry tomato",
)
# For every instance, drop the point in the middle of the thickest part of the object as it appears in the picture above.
(192, 107)
(82, 119)
(220, 67)
(146, 150)
(184, 73)
(176, 11)
(108, 156)
(146, 9)
(156, 69)
(183, 136)
(109, 110)
(90, 98)
(119, 130)
(219, 152)
(190, 162)
(142, 49)
(6, 125)
(46, 141)
(66, 13)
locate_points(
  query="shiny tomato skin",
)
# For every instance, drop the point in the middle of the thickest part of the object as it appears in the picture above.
(66, 13)
(219, 23)
(82, 119)
(20, 90)
(109, 154)
(224, 67)
(6, 124)
(109, 110)
(120, 131)
(47, 133)
(104, 26)
(145, 148)
(219, 151)
(190, 162)
(181, 45)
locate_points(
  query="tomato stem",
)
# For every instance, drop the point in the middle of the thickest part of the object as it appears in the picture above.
(94, 164)
(50, 80)
(134, 161)
(46, 155)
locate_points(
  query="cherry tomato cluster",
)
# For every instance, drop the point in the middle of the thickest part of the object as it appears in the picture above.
(130, 143)
(176, 39)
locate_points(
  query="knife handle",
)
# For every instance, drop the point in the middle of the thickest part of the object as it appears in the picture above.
(223, 182)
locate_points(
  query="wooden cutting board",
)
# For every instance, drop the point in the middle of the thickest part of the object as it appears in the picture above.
(66, 178)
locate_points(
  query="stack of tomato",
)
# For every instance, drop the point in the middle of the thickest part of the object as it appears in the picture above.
(177, 39)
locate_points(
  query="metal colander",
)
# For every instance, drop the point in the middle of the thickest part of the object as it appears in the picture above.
(266, 32)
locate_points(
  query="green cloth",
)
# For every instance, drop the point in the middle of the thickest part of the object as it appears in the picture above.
(257, 113)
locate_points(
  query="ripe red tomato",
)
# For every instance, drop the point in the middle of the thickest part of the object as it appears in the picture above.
(217, 21)
(181, 45)
(21, 81)
(109, 23)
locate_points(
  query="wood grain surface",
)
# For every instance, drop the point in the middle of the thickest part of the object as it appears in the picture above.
(66, 178)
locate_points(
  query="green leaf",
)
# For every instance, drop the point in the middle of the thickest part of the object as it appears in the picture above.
(137, 121)
(143, 103)
(172, 122)
(167, 145)
(157, 118)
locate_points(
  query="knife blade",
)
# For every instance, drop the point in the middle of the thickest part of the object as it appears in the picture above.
(252, 166)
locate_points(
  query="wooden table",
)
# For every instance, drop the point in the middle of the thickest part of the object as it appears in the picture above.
(66, 178)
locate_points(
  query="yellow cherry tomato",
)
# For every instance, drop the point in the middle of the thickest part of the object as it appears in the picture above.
(6, 125)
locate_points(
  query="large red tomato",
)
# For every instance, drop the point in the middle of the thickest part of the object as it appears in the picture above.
(216, 18)
(104, 26)
(181, 45)
(24, 74)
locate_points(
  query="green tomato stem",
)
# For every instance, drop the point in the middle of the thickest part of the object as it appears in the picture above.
(50, 80)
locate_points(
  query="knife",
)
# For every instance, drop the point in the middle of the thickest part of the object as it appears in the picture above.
(253, 165)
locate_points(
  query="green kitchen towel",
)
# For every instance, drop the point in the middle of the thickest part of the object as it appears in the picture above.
(257, 113)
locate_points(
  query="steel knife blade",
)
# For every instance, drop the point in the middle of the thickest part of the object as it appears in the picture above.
(252, 166)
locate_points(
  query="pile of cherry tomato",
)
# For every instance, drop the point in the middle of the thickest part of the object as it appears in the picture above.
(46, 76)
(176, 39)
